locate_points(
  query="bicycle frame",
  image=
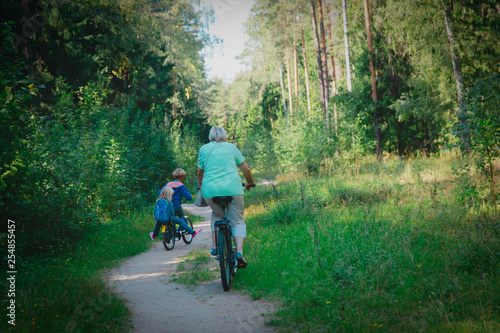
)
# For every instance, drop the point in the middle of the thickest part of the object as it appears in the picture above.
(222, 224)
(178, 231)
(226, 252)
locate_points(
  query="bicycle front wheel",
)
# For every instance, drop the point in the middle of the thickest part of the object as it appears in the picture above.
(188, 238)
(225, 259)
(169, 237)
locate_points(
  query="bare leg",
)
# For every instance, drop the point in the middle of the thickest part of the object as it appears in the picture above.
(239, 243)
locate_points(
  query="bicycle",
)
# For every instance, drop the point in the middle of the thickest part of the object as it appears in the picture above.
(171, 232)
(226, 248)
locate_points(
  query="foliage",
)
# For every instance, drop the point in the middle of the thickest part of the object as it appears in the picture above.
(483, 115)
(483, 124)
(478, 30)
(185, 145)
(421, 116)
(304, 145)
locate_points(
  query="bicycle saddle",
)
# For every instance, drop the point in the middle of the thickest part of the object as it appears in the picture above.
(222, 200)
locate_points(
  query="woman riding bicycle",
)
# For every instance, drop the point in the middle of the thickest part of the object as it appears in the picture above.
(219, 176)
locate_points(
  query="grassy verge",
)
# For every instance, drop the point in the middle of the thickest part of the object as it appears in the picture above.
(397, 247)
(194, 218)
(62, 290)
(198, 267)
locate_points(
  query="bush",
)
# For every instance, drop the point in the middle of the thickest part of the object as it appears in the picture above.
(304, 145)
(78, 164)
(482, 113)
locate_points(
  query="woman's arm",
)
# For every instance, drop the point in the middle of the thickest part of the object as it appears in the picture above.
(247, 173)
(200, 176)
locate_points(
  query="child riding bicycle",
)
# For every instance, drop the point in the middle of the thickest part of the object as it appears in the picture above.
(180, 191)
(167, 193)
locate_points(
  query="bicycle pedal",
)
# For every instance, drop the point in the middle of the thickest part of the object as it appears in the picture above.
(241, 263)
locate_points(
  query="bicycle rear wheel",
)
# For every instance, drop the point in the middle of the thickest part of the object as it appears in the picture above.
(188, 238)
(225, 258)
(169, 237)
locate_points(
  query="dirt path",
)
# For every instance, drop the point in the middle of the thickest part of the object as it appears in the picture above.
(159, 305)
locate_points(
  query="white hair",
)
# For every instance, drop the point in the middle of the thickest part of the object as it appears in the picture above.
(217, 134)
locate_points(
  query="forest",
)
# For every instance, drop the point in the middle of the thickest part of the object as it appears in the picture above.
(102, 99)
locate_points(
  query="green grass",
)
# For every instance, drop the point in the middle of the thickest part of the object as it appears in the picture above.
(397, 248)
(198, 267)
(194, 218)
(62, 291)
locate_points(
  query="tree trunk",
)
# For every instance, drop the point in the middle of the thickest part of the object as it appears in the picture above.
(346, 43)
(174, 109)
(332, 60)
(270, 117)
(334, 77)
(283, 94)
(289, 77)
(296, 64)
(457, 71)
(318, 55)
(369, 37)
(324, 61)
(373, 77)
(306, 72)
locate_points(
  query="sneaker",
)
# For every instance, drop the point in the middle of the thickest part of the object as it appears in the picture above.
(151, 235)
(213, 252)
(196, 233)
(242, 263)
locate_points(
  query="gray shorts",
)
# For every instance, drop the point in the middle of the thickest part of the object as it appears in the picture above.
(234, 211)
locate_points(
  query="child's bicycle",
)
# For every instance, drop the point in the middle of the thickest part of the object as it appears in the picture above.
(170, 232)
(226, 249)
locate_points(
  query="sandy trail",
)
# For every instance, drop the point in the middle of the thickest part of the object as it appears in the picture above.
(159, 305)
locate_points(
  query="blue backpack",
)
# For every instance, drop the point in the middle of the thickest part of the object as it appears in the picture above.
(162, 211)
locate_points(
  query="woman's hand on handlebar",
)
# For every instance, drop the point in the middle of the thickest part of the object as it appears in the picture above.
(248, 186)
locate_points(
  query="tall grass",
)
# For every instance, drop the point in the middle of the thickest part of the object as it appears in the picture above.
(394, 248)
(62, 289)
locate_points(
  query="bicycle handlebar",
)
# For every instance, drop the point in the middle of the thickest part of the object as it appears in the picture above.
(249, 186)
